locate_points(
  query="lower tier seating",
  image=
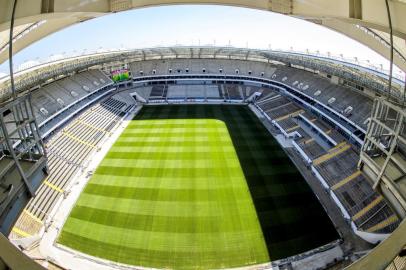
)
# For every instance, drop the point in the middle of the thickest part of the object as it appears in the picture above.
(68, 153)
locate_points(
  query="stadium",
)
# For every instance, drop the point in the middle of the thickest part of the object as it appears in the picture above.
(203, 157)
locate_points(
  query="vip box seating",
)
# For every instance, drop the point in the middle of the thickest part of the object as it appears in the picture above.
(192, 91)
(158, 92)
(232, 91)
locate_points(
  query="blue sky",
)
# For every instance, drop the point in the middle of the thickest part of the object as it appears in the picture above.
(194, 25)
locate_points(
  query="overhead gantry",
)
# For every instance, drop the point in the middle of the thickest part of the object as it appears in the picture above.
(366, 21)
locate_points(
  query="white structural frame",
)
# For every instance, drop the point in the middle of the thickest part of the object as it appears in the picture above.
(355, 74)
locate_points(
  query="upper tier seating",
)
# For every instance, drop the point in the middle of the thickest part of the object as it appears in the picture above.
(57, 95)
(324, 91)
(339, 98)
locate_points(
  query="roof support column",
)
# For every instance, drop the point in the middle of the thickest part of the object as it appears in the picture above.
(391, 49)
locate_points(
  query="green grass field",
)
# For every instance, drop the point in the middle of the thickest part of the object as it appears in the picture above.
(196, 187)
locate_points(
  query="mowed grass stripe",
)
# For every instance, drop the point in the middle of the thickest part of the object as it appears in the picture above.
(196, 193)
(161, 241)
(211, 219)
(198, 182)
(172, 131)
(167, 257)
(166, 172)
(173, 149)
(265, 164)
(203, 164)
(180, 133)
(190, 155)
(150, 139)
(178, 195)
(164, 208)
(146, 124)
(281, 171)
(190, 224)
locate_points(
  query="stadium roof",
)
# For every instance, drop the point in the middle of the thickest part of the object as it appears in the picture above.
(364, 21)
(45, 72)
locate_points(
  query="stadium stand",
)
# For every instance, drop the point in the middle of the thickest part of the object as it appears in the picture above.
(68, 152)
(312, 149)
(289, 124)
(335, 161)
(196, 92)
(65, 92)
(279, 108)
(158, 92)
(211, 92)
(196, 66)
(331, 98)
(324, 145)
(176, 92)
(144, 92)
(322, 90)
(221, 92)
(232, 91)
(266, 95)
(193, 91)
(329, 153)
(252, 90)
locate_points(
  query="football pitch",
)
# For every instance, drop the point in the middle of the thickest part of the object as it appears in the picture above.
(196, 187)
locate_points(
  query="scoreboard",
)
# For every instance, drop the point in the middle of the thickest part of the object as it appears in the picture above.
(120, 75)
